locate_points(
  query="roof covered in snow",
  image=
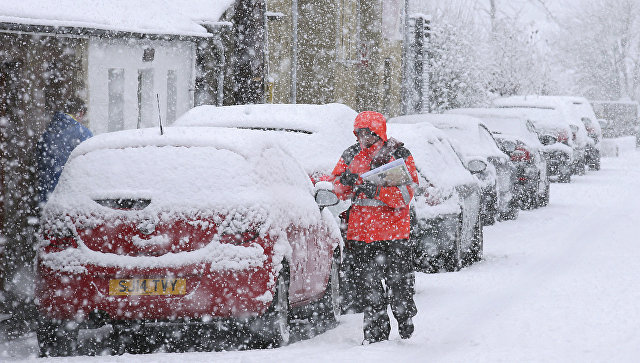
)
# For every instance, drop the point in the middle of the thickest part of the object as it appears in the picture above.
(506, 123)
(181, 17)
(315, 134)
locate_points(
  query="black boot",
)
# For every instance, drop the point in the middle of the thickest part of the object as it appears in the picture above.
(405, 328)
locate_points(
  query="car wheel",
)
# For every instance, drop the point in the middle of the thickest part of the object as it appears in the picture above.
(564, 178)
(477, 247)
(329, 306)
(529, 200)
(543, 200)
(454, 260)
(57, 338)
(490, 211)
(272, 329)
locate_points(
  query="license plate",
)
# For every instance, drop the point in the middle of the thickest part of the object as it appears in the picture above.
(147, 286)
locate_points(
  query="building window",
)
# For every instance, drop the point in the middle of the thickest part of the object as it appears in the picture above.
(172, 95)
(116, 99)
(145, 97)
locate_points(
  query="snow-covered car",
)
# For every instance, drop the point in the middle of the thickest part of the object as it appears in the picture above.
(446, 222)
(518, 139)
(196, 226)
(583, 110)
(316, 135)
(472, 140)
(553, 133)
(565, 114)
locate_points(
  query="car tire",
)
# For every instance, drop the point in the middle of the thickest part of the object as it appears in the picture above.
(329, 307)
(529, 200)
(543, 200)
(57, 338)
(272, 329)
(564, 178)
(454, 261)
(477, 247)
(489, 213)
(129, 336)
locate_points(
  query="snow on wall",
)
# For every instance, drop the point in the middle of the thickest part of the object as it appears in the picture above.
(139, 16)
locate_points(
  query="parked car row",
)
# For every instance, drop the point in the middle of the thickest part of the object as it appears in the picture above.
(228, 219)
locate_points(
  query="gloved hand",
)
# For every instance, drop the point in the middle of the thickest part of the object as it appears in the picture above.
(367, 188)
(349, 178)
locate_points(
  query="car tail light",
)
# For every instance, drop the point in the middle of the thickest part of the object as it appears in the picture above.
(239, 238)
(563, 137)
(521, 154)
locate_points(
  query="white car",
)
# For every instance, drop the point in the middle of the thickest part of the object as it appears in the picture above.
(584, 111)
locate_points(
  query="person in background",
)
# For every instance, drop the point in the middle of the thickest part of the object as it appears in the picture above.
(378, 228)
(65, 131)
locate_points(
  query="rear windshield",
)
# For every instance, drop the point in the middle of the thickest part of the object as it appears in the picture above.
(203, 177)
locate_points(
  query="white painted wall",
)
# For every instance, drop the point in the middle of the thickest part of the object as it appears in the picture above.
(126, 54)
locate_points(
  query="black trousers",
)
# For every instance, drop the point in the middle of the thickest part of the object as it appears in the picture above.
(378, 274)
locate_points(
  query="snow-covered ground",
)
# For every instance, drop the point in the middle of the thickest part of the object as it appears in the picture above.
(558, 284)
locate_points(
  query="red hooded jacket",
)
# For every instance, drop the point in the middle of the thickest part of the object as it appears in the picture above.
(386, 216)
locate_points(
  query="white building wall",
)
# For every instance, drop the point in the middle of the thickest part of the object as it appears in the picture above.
(173, 60)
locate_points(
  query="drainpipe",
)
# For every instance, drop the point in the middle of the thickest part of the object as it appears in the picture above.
(405, 61)
(294, 50)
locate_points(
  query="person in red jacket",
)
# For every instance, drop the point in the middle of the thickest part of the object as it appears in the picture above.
(378, 228)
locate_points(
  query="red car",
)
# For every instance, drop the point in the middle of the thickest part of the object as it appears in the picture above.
(196, 226)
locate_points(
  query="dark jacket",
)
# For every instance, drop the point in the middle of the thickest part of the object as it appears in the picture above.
(61, 136)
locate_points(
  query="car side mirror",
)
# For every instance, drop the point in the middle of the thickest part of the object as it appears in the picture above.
(476, 166)
(603, 123)
(326, 198)
(324, 195)
(547, 140)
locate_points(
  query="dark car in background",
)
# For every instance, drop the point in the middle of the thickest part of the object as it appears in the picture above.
(554, 135)
(518, 138)
(472, 140)
(446, 222)
(564, 114)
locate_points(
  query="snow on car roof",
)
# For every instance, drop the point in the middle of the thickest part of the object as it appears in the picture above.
(315, 134)
(186, 169)
(463, 131)
(542, 118)
(140, 16)
(498, 121)
(562, 104)
(434, 157)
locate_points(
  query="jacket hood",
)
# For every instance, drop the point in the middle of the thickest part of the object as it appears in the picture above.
(373, 121)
